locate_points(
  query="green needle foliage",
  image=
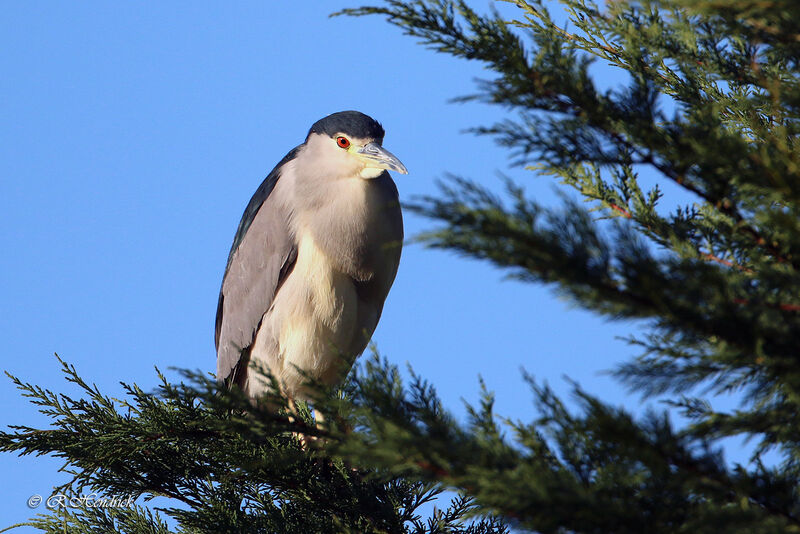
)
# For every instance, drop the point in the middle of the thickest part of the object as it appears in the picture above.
(225, 465)
(710, 105)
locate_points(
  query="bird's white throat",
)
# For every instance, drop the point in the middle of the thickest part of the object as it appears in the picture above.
(371, 172)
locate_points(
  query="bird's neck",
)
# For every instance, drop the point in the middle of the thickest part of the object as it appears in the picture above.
(351, 223)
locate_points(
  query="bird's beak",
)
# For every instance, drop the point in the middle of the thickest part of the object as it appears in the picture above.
(377, 157)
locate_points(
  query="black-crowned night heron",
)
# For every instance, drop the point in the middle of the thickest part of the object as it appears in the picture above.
(312, 262)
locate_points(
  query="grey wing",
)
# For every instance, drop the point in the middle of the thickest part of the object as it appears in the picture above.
(261, 257)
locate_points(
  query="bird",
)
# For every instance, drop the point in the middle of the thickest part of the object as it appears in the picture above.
(312, 261)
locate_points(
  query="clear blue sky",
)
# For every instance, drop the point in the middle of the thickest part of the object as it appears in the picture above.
(133, 137)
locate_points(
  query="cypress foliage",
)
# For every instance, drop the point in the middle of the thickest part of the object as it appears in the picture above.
(225, 465)
(711, 106)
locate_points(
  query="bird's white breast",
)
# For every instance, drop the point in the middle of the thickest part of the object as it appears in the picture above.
(312, 320)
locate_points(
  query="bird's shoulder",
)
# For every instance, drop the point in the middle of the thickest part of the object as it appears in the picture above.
(257, 200)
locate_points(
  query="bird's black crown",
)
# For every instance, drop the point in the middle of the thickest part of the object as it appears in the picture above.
(352, 123)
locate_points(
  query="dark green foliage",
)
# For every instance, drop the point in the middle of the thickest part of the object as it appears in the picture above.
(710, 105)
(227, 465)
(601, 471)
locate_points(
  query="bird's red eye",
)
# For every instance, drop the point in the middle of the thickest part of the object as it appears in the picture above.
(343, 142)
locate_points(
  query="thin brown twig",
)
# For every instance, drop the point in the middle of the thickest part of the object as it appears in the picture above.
(619, 209)
(727, 263)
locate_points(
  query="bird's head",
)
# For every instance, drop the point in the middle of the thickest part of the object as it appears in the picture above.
(349, 144)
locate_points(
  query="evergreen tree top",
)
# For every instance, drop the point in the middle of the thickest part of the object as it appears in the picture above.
(712, 107)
